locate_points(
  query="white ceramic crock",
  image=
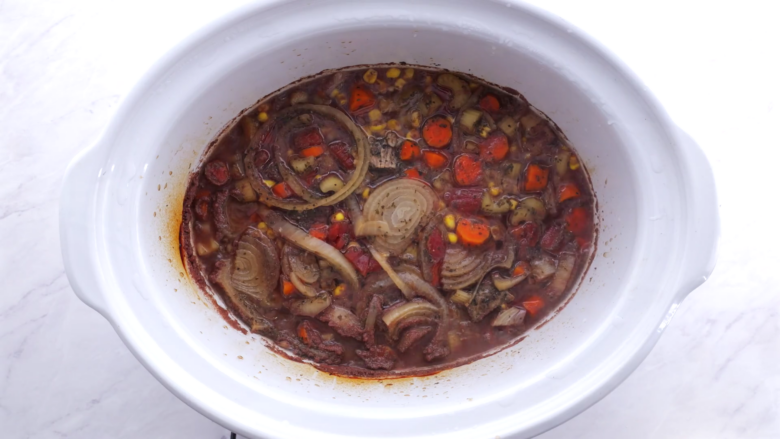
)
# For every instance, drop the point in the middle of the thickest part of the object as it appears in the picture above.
(656, 198)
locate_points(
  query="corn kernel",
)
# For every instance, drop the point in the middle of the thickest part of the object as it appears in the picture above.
(416, 119)
(366, 193)
(484, 131)
(513, 204)
(393, 125)
(375, 115)
(339, 290)
(449, 221)
(442, 204)
(473, 85)
(408, 73)
(269, 183)
(399, 83)
(262, 116)
(574, 164)
(342, 100)
(413, 134)
(338, 216)
(262, 226)
(334, 93)
(495, 191)
(370, 76)
(453, 238)
(378, 127)
(393, 73)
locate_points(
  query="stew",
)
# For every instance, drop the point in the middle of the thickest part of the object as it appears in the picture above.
(389, 221)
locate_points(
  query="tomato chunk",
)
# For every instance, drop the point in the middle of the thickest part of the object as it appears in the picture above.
(360, 98)
(465, 200)
(361, 259)
(467, 169)
(494, 148)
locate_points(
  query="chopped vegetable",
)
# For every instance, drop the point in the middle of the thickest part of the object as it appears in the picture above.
(412, 173)
(409, 151)
(449, 221)
(467, 169)
(262, 116)
(460, 89)
(510, 317)
(437, 132)
(562, 161)
(528, 209)
(533, 304)
(578, 221)
(331, 183)
(375, 115)
(341, 151)
(319, 231)
(314, 151)
(393, 72)
(435, 159)
(536, 178)
(567, 191)
(300, 165)
(494, 148)
(469, 119)
(308, 137)
(282, 190)
(360, 98)
(461, 297)
(520, 269)
(472, 232)
(340, 234)
(508, 126)
(574, 164)
(452, 237)
(495, 206)
(288, 289)
(465, 200)
(489, 103)
(370, 76)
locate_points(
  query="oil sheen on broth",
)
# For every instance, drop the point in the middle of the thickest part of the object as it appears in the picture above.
(389, 220)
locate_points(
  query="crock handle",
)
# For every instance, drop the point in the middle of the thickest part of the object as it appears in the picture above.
(704, 221)
(77, 226)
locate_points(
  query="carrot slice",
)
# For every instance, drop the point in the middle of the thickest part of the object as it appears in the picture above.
(288, 288)
(319, 231)
(282, 190)
(489, 103)
(412, 173)
(410, 151)
(578, 221)
(472, 232)
(304, 334)
(533, 304)
(314, 151)
(536, 178)
(494, 148)
(434, 159)
(468, 170)
(521, 268)
(437, 132)
(360, 98)
(567, 191)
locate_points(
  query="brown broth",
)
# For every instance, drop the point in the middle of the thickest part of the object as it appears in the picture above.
(506, 167)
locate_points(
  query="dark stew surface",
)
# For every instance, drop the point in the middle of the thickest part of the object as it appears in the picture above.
(389, 221)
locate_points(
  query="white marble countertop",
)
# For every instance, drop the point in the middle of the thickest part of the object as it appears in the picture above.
(64, 66)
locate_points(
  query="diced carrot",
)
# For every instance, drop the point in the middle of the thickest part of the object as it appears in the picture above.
(494, 148)
(468, 170)
(489, 103)
(288, 288)
(434, 159)
(520, 269)
(314, 151)
(472, 232)
(410, 151)
(578, 221)
(533, 304)
(304, 334)
(536, 178)
(282, 190)
(412, 173)
(437, 132)
(567, 191)
(319, 231)
(360, 98)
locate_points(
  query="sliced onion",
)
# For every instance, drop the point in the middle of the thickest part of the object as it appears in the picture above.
(542, 268)
(562, 275)
(381, 258)
(395, 211)
(510, 317)
(246, 307)
(255, 265)
(462, 297)
(395, 315)
(265, 194)
(307, 242)
(505, 283)
(311, 306)
(471, 271)
(304, 288)
(303, 264)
